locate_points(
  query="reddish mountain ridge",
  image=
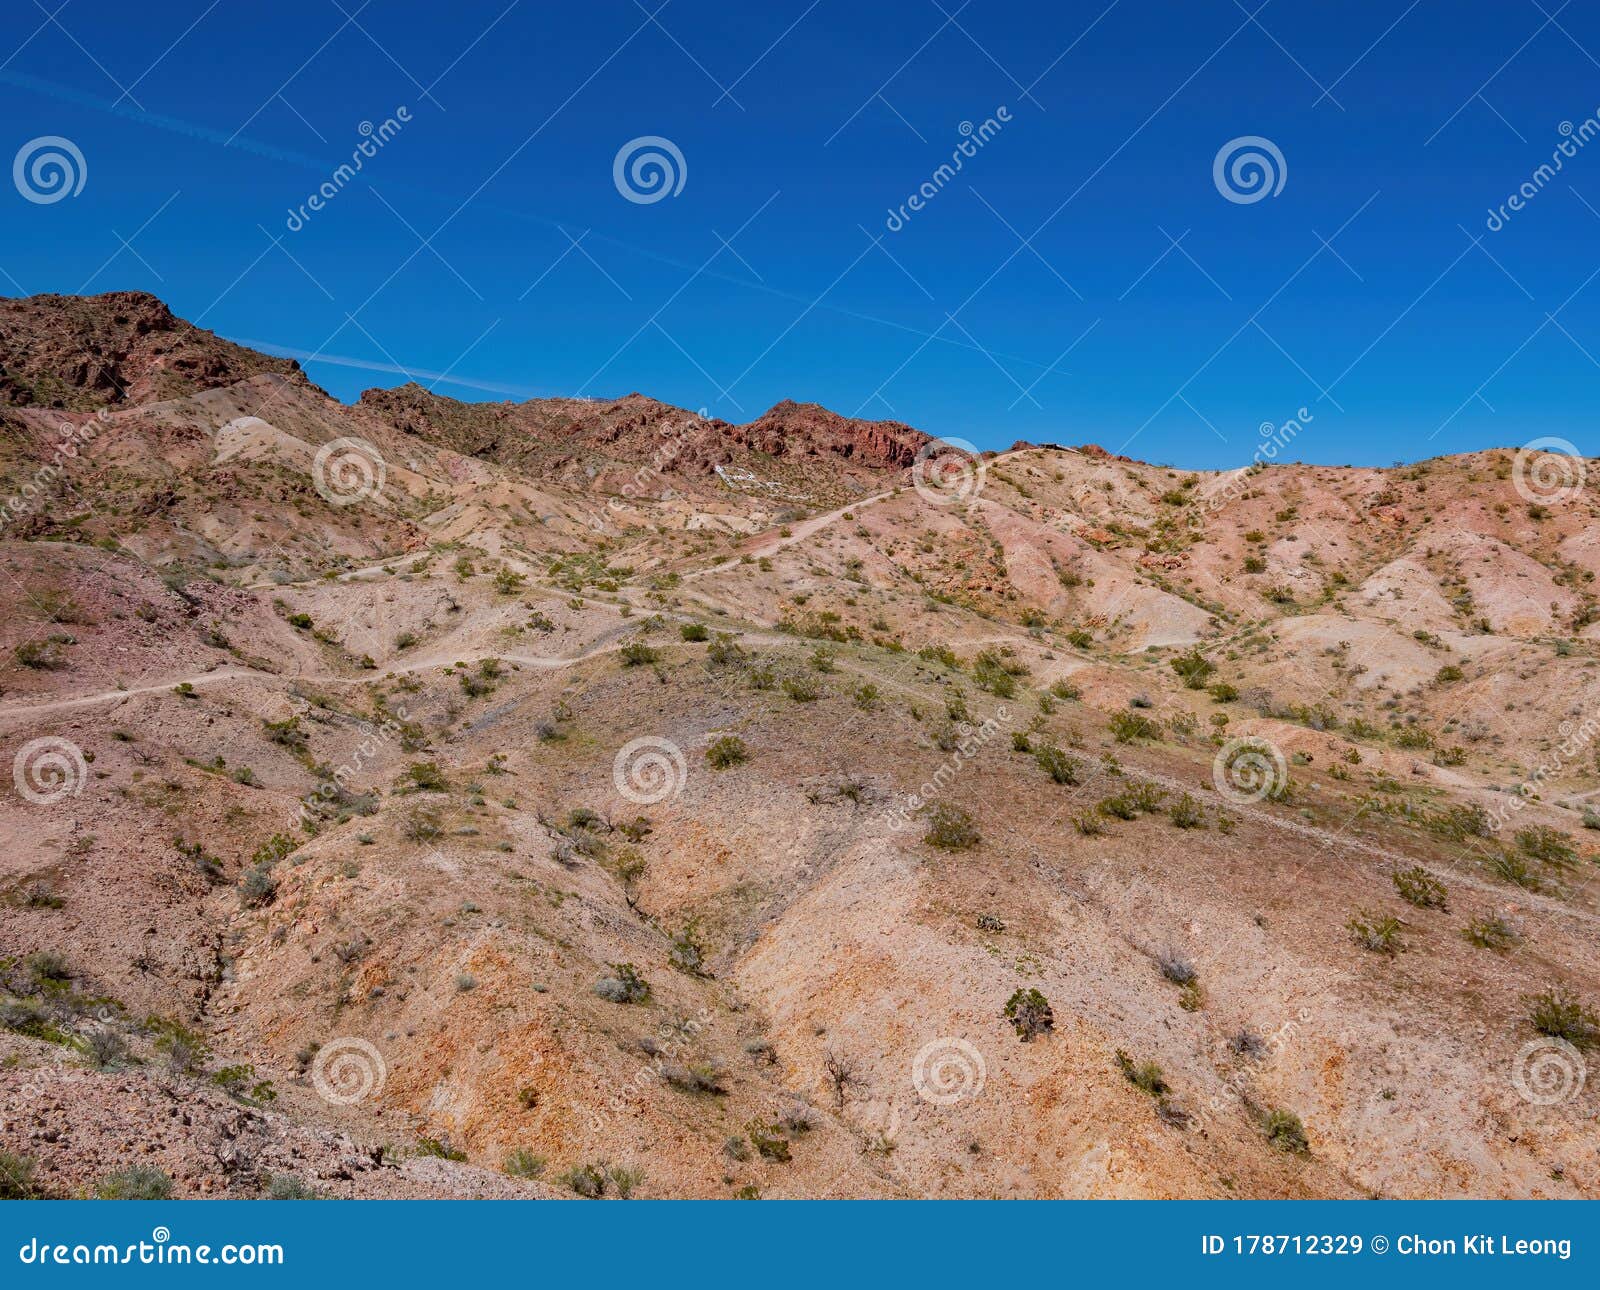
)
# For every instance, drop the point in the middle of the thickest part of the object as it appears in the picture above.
(81, 353)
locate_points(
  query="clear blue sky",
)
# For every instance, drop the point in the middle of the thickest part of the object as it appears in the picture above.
(801, 127)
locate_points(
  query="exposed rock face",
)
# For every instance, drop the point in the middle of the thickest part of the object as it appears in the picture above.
(636, 428)
(86, 352)
(790, 429)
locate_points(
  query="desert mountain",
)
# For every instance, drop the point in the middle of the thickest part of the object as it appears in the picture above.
(577, 797)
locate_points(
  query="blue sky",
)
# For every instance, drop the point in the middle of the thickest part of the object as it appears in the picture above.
(1082, 278)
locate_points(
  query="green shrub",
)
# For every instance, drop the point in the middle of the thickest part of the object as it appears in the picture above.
(1061, 768)
(1131, 727)
(523, 1163)
(16, 1176)
(1193, 669)
(1187, 813)
(1286, 1132)
(288, 1187)
(1376, 932)
(693, 632)
(801, 688)
(1560, 1015)
(866, 697)
(588, 1181)
(768, 1140)
(1142, 1075)
(1492, 932)
(1513, 868)
(950, 828)
(1545, 843)
(624, 985)
(1030, 1014)
(637, 654)
(1420, 888)
(727, 751)
(137, 1182)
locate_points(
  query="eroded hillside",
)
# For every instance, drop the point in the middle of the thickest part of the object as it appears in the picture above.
(594, 798)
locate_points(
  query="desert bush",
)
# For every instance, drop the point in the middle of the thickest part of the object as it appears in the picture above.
(950, 828)
(1186, 813)
(637, 654)
(1559, 1014)
(1145, 1076)
(104, 1048)
(624, 985)
(727, 751)
(1376, 932)
(1061, 768)
(1029, 1013)
(768, 1140)
(257, 886)
(1177, 968)
(1542, 842)
(1420, 888)
(1285, 1132)
(694, 632)
(1088, 824)
(801, 688)
(288, 1187)
(137, 1182)
(1513, 867)
(866, 697)
(422, 824)
(1492, 932)
(16, 1176)
(523, 1163)
(1193, 669)
(1130, 727)
(989, 673)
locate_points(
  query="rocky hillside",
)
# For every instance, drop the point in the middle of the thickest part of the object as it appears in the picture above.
(428, 798)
